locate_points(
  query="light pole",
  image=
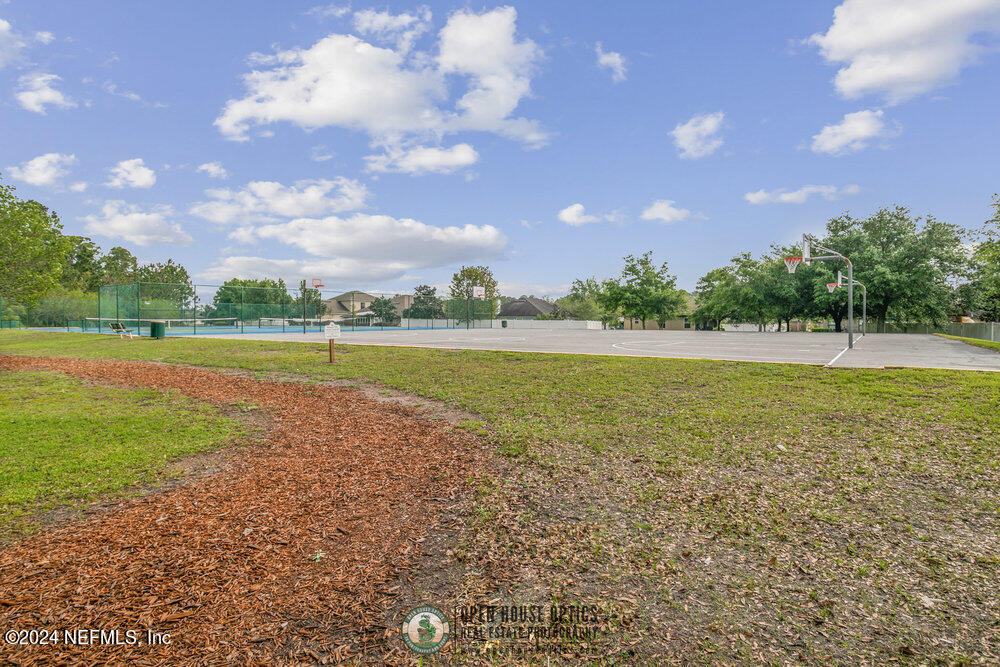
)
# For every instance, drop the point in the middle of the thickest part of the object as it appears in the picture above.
(793, 262)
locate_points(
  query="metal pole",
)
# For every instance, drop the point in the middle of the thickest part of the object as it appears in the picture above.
(850, 304)
(864, 310)
(243, 290)
(138, 307)
(303, 305)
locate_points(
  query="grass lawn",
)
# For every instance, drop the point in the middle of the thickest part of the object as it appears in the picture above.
(63, 441)
(725, 511)
(988, 344)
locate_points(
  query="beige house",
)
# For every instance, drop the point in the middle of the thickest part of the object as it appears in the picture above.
(358, 304)
(676, 324)
(348, 304)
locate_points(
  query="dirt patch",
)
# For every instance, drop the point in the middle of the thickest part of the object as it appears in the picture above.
(290, 554)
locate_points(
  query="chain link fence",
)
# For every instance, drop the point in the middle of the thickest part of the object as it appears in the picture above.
(204, 309)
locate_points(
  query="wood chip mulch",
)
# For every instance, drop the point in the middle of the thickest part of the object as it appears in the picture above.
(290, 556)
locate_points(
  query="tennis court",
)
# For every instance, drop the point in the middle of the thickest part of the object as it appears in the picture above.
(827, 349)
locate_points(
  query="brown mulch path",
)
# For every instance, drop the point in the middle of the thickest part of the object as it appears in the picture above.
(289, 556)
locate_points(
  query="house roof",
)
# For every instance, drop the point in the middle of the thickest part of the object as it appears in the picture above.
(527, 306)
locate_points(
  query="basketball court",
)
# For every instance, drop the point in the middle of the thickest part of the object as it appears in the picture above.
(823, 349)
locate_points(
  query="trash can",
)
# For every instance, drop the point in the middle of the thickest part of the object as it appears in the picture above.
(157, 328)
(503, 324)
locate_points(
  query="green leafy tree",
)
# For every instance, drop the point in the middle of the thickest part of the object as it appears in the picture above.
(715, 298)
(252, 299)
(462, 282)
(426, 304)
(384, 310)
(909, 264)
(32, 248)
(643, 291)
(982, 293)
(315, 306)
(165, 281)
(82, 268)
(583, 301)
(119, 266)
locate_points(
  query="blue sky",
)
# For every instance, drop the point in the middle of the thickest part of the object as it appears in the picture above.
(381, 146)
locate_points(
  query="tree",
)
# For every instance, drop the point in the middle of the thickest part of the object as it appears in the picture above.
(426, 305)
(82, 268)
(583, 301)
(384, 309)
(252, 299)
(119, 267)
(315, 306)
(165, 282)
(462, 283)
(643, 291)
(715, 297)
(32, 247)
(909, 264)
(982, 294)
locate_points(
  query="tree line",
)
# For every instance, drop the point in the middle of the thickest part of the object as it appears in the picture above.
(916, 269)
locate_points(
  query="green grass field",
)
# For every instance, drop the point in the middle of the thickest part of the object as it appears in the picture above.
(64, 441)
(727, 511)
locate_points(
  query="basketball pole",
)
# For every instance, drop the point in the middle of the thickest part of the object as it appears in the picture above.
(807, 239)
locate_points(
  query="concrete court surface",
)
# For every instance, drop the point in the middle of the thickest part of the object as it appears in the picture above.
(871, 351)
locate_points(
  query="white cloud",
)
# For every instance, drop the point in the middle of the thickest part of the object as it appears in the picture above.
(327, 11)
(267, 201)
(423, 159)
(574, 215)
(401, 29)
(79, 186)
(320, 154)
(43, 170)
(112, 88)
(11, 43)
(397, 98)
(35, 91)
(44, 37)
(853, 133)
(129, 222)
(213, 169)
(612, 60)
(131, 174)
(903, 48)
(699, 137)
(800, 196)
(361, 248)
(485, 48)
(664, 210)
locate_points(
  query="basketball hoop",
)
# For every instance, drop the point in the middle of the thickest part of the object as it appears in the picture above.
(832, 286)
(317, 283)
(792, 263)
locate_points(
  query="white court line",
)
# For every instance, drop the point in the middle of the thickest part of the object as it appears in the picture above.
(622, 346)
(834, 360)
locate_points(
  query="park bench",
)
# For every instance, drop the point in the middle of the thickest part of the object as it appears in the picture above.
(119, 328)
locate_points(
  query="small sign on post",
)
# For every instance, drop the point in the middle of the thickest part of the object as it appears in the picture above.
(478, 292)
(331, 331)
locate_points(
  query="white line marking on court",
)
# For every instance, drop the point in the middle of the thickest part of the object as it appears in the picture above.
(623, 346)
(834, 360)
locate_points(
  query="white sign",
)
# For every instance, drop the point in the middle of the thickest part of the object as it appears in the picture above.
(331, 331)
(478, 292)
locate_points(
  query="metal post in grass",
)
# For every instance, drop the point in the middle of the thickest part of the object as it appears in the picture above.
(243, 290)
